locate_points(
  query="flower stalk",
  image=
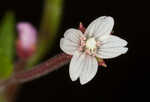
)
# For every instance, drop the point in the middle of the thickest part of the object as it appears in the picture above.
(46, 67)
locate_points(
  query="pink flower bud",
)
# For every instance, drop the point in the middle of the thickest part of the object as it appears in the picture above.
(27, 38)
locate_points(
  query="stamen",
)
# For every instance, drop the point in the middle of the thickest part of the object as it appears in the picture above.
(94, 54)
(80, 48)
(87, 51)
(89, 46)
(83, 43)
(98, 43)
(83, 38)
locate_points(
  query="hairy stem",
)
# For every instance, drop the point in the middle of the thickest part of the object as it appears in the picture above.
(11, 89)
(10, 86)
(43, 69)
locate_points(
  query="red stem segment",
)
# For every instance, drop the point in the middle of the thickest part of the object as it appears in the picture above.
(44, 68)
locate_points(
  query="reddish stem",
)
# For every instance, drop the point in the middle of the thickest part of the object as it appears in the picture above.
(44, 68)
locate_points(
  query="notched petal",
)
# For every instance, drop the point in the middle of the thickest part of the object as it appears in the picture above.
(111, 52)
(68, 46)
(75, 67)
(89, 70)
(102, 26)
(73, 35)
(113, 41)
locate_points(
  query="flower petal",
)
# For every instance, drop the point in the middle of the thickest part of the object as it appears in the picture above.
(112, 47)
(100, 27)
(90, 66)
(113, 41)
(76, 65)
(111, 52)
(73, 35)
(68, 46)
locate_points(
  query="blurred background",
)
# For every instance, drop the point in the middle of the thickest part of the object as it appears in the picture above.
(127, 76)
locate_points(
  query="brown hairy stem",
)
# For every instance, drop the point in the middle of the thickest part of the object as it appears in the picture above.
(43, 69)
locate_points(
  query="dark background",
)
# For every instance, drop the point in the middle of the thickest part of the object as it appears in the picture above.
(127, 76)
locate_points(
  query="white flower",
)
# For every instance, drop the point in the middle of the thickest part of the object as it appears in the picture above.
(96, 42)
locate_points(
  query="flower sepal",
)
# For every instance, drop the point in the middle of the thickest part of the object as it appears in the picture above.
(81, 27)
(101, 62)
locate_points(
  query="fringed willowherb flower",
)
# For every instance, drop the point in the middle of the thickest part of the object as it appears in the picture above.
(90, 47)
(26, 43)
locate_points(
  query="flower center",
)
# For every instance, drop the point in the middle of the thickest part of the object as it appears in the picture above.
(89, 46)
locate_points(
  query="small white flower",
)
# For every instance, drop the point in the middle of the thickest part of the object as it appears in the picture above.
(96, 42)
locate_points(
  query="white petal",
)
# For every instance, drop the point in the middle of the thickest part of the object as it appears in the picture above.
(73, 35)
(68, 46)
(90, 66)
(111, 52)
(113, 41)
(76, 65)
(112, 47)
(100, 27)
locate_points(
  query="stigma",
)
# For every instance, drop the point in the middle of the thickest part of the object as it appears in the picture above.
(89, 45)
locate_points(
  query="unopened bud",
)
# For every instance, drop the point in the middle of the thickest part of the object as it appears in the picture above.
(27, 38)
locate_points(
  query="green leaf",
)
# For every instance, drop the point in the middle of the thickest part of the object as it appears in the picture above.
(52, 14)
(7, 41)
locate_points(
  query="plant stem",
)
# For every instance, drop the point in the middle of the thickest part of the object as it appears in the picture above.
(43, 69)
(11, 85)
